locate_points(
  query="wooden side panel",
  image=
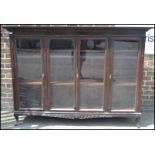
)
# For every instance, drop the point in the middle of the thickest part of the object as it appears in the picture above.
(140, 66)
(14, 73)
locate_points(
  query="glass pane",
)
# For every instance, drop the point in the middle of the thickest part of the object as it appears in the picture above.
(92, 44)
(62, 96)
(27, 44)
(92, 60)
(124, 66)
(126, 45)
(61, 60)
(61, 44)
(125, 61)
(91, 97)
(30, 96)
(29, 65)
(123, 97)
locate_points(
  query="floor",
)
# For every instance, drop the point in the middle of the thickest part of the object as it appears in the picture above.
(35, 122)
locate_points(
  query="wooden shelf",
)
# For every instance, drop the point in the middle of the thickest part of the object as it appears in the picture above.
(60, 50)
(31, 82)
(91, 50)
(124, 51)
(58, 83)
(28, 50)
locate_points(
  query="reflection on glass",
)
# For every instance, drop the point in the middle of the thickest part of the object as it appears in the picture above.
(29, 65)
(91, 97)
(30, 96)
(126, 45)
(61, 60)
(27, 44)
(62, 96)
(125, 61)
(61, 63)
(92, 44)
(61, 44)
(92, 60)
(125, 54)
(123, 97)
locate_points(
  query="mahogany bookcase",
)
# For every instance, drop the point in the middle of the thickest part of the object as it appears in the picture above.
(77, 72)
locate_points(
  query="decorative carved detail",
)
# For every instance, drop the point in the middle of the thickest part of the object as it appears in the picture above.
(80, 115)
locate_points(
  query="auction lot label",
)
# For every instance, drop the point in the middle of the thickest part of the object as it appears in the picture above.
(149, 44)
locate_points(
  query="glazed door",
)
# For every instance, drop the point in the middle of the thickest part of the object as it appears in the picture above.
(76, 74)
(91, 72)
(69, 74)
(124, 74)
(61, 74)
(30, 73)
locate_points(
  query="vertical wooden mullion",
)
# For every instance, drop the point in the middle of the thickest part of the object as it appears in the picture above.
(48, 73)
(74, 72)
(107, 73)
(139, 73)
(77, 74)
(44, 72)
(14, 73)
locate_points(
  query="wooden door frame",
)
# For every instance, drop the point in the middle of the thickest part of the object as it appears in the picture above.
(91, 37)
(107, 70)
(63, 37)
(139, 69)
(76, 40)
(140, 66)
(14, 65)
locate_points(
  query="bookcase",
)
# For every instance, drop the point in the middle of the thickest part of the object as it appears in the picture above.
(77, 72)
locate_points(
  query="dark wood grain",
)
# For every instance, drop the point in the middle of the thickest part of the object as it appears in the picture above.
(140, 66)
(107, 78)
(76, 35)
